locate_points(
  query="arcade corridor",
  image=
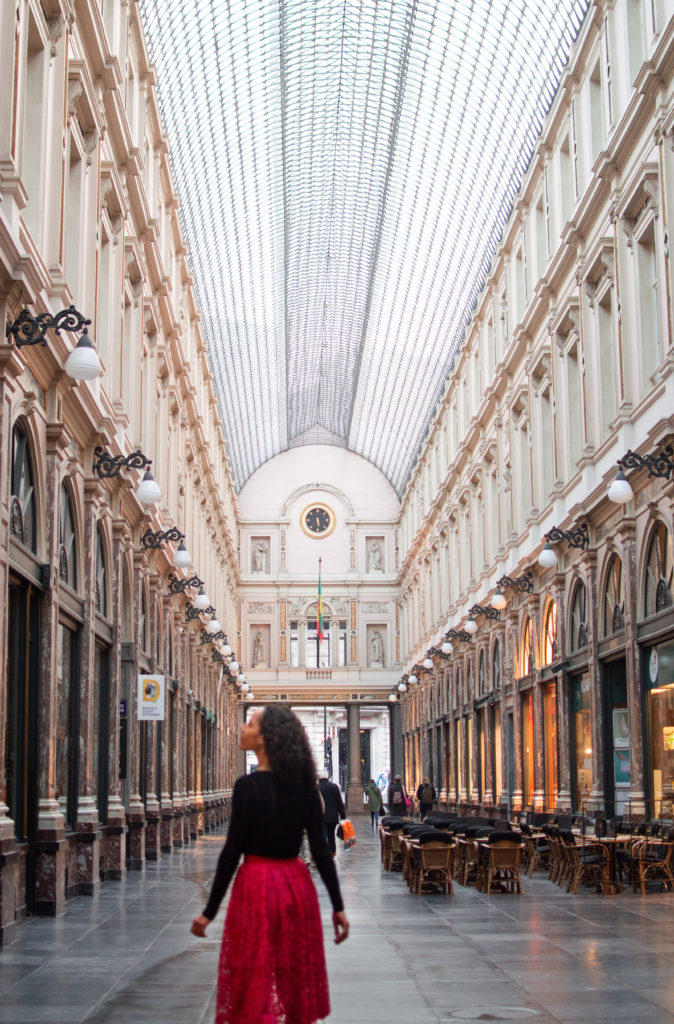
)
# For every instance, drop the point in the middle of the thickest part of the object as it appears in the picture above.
(545, 956)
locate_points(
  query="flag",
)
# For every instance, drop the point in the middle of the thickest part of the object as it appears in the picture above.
(319, 607)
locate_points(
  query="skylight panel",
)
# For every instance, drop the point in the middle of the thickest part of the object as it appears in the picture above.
(345, 171)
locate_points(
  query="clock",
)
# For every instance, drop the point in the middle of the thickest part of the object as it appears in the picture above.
(317, 520)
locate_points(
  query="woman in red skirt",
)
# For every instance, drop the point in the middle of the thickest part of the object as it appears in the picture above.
(272, 963)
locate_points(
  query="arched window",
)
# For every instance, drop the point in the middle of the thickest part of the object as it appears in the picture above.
(578, 630)
(614, 598)
(67, 547)
(658, 584)
(22, 500)
(481, 674)
(496, 667)
(527, 650)
(459, 696)
(550, 634)
(101, 598)
(468, 695)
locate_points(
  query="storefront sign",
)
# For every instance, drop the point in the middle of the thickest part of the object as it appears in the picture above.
(151, 691)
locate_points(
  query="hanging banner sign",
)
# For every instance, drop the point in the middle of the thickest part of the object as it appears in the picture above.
(151, 692)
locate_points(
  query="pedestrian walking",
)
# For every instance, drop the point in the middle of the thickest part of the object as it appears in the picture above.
(375, 803)
(272, 960)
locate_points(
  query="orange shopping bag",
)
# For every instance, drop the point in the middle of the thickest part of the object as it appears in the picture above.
(348, 834)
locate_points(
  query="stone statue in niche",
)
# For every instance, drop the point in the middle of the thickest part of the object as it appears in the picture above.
(258, 649)
(260, 557)
(377, 649)
(375, 558)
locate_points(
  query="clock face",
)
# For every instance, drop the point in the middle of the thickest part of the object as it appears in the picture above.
(317, 520)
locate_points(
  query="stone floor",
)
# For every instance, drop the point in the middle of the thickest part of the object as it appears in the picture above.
(545, 956)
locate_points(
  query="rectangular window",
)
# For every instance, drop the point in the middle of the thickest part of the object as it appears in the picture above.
(342, 648)
(318, 652)
(294, 645)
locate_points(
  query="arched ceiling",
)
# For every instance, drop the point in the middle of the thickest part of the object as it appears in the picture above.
(345, 170)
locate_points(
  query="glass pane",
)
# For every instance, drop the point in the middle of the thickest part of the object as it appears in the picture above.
(328, 142)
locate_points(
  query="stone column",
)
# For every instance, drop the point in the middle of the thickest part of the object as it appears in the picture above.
(87, 824)
(11, 367)
(637, 797)
(396, 739)
(153, 784)
(597, 703)
(113, 845)
(164, 794)
(354, 789)
(136, 810)
(50, 860)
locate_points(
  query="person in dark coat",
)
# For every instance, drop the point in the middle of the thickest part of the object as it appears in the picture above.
(426, 796)
(398, 800)
(334, 810)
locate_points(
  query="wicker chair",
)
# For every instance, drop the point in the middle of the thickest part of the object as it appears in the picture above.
(653, 862)
(499, 863)
(588, 864)
(432, 864)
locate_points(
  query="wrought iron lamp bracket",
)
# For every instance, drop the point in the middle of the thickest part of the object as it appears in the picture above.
(32, 330)
(522, 584)
(578, 537)
(489, 613)
(659, 464)
(155, 539)
(107, 466)
(177, 586)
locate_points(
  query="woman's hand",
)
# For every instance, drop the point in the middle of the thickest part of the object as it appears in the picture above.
(200, 924)
(341, 925)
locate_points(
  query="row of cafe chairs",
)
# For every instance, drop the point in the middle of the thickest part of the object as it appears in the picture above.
(446, 847)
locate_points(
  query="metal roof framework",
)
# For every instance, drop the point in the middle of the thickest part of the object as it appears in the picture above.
(346, 169)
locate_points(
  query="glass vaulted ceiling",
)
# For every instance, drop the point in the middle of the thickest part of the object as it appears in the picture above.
(345, 169)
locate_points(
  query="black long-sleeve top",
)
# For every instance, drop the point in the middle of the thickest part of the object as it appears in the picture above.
(268, 818)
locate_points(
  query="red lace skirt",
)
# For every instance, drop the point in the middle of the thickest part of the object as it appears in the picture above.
(272, 963)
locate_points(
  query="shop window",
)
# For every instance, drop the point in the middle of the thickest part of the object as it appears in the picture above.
(101, 584)
(660, 681)
(550, 634)
(659, 584)
(582, 741)
(614, 598)
(578, 630)
(67, 546)
(22, 498)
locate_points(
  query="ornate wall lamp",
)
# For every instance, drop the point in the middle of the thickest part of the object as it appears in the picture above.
(177, 586)
(478, 609)
(576, 538)
(522, 584)
(153, 541)
(82, 363)
(107, 466)
(660, 464)
(455, 634)
(440, 652)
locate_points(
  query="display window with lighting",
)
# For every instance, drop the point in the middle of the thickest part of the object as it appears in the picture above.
(660, 700)
(581, 741)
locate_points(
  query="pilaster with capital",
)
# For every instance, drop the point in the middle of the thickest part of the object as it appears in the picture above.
(637, 797)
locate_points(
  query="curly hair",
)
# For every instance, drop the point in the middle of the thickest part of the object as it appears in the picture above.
(287, 746)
